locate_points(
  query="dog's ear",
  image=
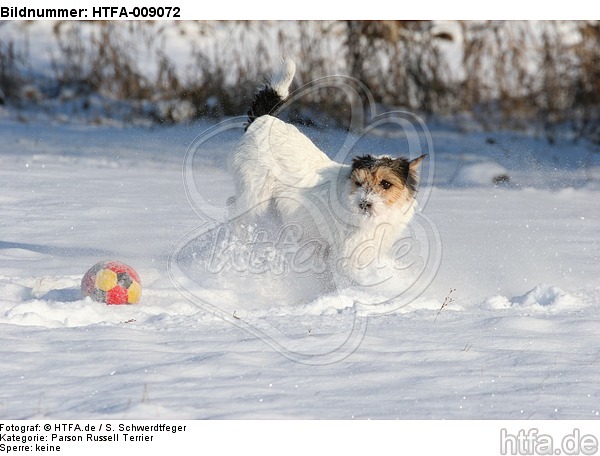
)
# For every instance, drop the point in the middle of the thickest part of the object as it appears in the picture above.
(364, 162)
(413, 175)
(413, 165)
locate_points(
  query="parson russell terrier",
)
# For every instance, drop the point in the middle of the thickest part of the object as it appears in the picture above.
(276, 167)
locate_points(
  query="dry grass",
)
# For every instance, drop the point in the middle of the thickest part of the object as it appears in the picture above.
(11, 70)
(509, 74)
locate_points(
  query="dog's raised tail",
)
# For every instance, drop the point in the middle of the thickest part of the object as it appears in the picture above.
(269, 97)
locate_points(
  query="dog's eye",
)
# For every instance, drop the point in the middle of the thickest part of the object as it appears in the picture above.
(385, 184)
(358, 184)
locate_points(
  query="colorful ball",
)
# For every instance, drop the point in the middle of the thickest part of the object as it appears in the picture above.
(112, 282)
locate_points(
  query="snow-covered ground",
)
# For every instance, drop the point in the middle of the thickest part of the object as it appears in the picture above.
(518, 270)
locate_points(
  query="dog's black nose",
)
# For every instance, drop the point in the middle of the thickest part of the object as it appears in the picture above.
(365, 205)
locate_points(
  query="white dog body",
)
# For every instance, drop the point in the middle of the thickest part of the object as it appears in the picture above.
(355, 209)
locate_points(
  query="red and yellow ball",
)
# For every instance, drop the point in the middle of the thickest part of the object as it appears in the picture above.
(112, 282)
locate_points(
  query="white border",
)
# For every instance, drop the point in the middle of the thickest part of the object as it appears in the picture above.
(345, 438)
(371, 9)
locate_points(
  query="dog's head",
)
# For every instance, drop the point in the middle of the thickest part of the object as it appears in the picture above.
(383, 182)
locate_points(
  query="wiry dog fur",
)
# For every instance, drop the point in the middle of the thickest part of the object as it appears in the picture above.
(276, 166)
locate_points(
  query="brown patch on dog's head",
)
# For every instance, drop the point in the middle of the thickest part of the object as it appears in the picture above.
(392, 180)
